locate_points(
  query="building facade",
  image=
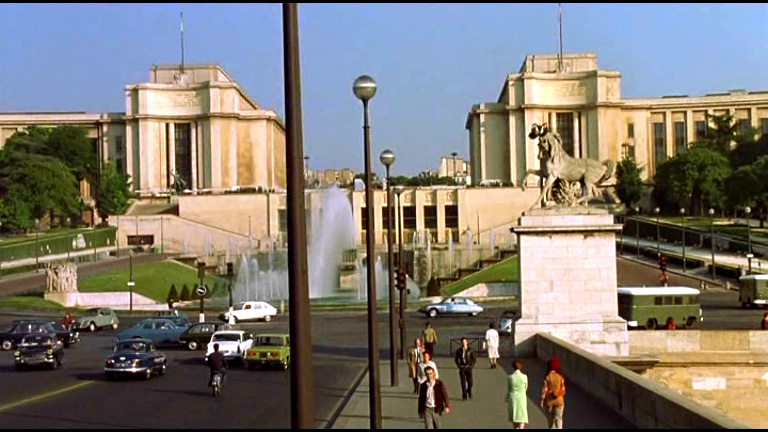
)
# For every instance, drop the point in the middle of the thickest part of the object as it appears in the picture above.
(193, 123)
(584, 105)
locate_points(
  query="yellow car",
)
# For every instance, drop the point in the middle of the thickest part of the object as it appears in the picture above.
(269, 349)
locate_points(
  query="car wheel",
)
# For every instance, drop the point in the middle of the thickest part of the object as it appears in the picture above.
(162, 369)
(7, 345)
(268, 318)
(651, 324)
(114, 326)
(192, 345)
(110, 376)
(148, 374)
(432, 313)
(92, 327)
(473, 314)
(20, 367)
(54, 365)
(287, 364)
(235, 320)
(251, 366)
(690, 321)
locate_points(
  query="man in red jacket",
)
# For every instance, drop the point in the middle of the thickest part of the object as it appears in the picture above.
(433, 400)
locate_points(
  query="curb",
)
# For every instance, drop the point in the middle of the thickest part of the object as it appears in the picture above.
(341, 405)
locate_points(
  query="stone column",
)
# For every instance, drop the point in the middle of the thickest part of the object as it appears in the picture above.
(561, 292)
(172, 153)
(193, 137)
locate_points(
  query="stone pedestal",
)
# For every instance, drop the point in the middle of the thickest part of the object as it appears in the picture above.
(568, 280)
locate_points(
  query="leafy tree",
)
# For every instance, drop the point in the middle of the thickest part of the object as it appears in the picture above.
(697, 175)
(185, 294)
(115, 191)
(748, 151)
(173, 294)
(629, 186)
(748, 186)
(71, 145)
(33, 184)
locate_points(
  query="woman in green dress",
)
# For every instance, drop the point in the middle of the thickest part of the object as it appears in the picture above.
(517, 389)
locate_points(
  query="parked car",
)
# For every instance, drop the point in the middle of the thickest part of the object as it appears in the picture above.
(67, 337)
(135, 357)
(270, 349)
(96, 318)
(161, 331)
(232, 343)
(175, 316)
(20, 328)
(452, 305)
(251, 310)
(42, 349)
(198, 335)
(504, 323)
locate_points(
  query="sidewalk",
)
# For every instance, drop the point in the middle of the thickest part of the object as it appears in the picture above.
(486, 410)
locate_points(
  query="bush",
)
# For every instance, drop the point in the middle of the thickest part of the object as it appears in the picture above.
(173, 294)
(185, 294)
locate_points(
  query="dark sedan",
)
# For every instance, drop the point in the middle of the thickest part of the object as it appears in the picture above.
(135, 357)
(198, 335)
(39, 350)
(12, 338)
(67, 337)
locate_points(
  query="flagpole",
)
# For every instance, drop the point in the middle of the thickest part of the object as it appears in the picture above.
(560, 23)
(182, 41)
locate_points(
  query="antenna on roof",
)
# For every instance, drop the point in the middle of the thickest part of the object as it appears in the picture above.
(182, 41)
(560, 23)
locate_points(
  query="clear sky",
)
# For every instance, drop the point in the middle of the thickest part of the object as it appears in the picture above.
(431, 62)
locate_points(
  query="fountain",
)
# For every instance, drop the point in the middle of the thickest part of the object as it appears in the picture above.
(336, 269)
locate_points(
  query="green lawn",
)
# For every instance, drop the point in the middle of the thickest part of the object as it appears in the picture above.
(153, 280)
(505, 271)
(57, 240)
(28, 302)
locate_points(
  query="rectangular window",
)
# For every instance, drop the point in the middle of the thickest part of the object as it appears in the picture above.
(764, 126)
(678, 300)
(659, 142)
(363, 218)
(658, 301)
(743, 128)
(282, 220)
(452, 216)
(565, 129)
(409, 217)
(183, 144)
(680, 138)
(701, 129)
(385, 218)
(630, 130)
(430, 217)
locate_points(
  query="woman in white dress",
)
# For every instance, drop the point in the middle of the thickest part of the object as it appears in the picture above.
(492, 342)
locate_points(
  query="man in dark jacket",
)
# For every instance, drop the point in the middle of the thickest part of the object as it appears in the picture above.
(433, 400)
(216, 362)
(465, 360)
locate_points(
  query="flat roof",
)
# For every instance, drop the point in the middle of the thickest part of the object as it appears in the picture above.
(658, 290)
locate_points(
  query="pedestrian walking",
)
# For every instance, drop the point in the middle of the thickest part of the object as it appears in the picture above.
(433, 400)
(517, 390)
(492, 342)
(415, 357)
(425, 363)
(429, 337)
(465, 359)
(553, 394)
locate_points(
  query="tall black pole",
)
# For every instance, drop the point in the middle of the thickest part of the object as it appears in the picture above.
(37, 249)
(712, 241)
(374, 393)
(683, 214)
(130, 279)
(302, 380)
(404, 292)
(637, 236)
(391, 264)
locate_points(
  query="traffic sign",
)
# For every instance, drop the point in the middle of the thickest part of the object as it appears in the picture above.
(201, 291)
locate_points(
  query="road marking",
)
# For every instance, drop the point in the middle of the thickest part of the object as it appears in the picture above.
(43, 396)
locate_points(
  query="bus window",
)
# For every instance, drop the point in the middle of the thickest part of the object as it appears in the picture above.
(667, 301)
(658, 301)
(678, 300)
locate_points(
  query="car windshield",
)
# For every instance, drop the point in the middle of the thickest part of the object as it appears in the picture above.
(226, 337)
(131, 347)
(92, 312)
(269, 341)
(37, 340)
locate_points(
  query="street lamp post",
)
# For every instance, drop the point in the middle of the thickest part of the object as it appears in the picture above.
(621, 237)
(682, 214)
(712, 239)
(364, 88)
(403, 293)
(69, 240)
(388, 158)
(37, 250)
(131, 283)
(637, 232)
(302, 375)
(1, 251)
(658, 248)
(749, 230)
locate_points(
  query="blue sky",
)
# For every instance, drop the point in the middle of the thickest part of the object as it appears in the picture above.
(431, 61)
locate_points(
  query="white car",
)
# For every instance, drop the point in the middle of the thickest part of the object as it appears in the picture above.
(232, 343)
(251, 310)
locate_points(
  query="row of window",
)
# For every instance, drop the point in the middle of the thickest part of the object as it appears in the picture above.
(451, 217)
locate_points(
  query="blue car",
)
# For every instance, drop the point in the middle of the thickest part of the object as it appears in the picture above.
(452, 305)
(161, 331)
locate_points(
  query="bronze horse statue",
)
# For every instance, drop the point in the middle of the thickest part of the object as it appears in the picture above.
(556, 164)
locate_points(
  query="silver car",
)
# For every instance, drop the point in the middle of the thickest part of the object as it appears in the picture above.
(504, 323)
(452, 305)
